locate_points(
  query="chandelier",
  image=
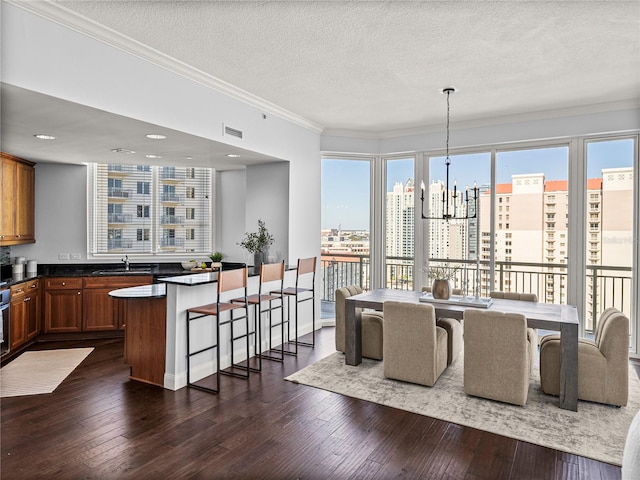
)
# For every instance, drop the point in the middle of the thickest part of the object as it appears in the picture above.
(451, 201)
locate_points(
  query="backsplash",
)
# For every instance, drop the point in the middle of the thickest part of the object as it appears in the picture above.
(5, 255)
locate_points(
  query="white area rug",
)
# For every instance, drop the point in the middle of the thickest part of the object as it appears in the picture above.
(595, 431)
(35, 373)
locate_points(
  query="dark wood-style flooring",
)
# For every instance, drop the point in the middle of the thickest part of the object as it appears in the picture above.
(100, 425)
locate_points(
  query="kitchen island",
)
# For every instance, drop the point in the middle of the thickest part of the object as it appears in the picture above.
(169, 301)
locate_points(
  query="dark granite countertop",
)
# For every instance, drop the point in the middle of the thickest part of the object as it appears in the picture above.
(103, 269)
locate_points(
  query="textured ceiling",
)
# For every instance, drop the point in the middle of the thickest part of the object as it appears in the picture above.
(378, 66)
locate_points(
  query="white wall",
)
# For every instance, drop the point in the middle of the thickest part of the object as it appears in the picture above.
(47, 57)
(268, 200)
(61, 213)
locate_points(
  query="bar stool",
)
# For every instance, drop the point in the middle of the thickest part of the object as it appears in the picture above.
(227, 281)
(269, 273)
(305, 266)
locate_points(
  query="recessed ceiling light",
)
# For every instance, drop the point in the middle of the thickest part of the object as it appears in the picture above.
(43, 136)
(151, 155)
(155, 136)
(123, 151)
(233, 155)
(189, 158)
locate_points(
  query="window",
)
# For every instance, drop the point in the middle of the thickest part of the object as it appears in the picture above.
(142, 234)
(399, 223)
(143, 188)
(142, 210)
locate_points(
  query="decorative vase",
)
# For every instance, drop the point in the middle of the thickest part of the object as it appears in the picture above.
(441, 289)
(258, 258)
(216, 266)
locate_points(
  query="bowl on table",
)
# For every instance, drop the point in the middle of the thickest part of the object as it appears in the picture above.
(188, 265)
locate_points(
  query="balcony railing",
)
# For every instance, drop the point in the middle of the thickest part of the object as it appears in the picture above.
(118, 243)
(172, 242)
(607, 286)
(171, 220)
(120, 218)
(171, 198)
(118, 193)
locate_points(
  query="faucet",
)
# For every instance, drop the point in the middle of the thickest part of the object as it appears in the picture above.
(125, 260)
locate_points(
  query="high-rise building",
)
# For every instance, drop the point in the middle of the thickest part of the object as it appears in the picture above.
(400, 220)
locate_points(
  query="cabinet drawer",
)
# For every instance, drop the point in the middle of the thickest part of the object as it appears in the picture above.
(117, 281)
(63, 283)
(24, 288)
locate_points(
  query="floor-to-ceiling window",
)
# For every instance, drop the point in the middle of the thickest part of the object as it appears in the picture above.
(453, 243)
(399, 223)
(345, 220)
(609, 228)
(531, 222)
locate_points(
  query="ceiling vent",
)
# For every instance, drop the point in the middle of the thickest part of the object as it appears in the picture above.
(232, 131)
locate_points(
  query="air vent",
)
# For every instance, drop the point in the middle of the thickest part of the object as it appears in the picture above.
(232, 131)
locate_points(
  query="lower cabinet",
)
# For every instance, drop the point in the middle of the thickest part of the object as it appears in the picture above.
(63, 305)
(25, 313)
(83, 304)
(100, 311)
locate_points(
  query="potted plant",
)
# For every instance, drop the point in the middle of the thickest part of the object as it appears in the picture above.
(216, 260)
(441, 276)
(257, 243)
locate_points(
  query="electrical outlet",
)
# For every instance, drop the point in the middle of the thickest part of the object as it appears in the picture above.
(63, 256)
(76, 256)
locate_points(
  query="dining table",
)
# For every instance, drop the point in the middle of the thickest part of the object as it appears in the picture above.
(539, 315)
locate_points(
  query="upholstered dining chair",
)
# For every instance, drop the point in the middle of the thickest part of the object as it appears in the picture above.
(525, 297)
(372, 325)
(415, 349)
(499, 352)
(603, 364)
(454, 331)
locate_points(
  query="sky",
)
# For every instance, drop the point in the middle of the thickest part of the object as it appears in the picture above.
(346, 183)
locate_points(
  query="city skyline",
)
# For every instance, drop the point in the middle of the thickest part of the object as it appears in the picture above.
(345, 184)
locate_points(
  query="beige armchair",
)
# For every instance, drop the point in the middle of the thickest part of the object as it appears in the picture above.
(415, 349)
(526, 297)
(603, 364)
(372, 325)
(454, 331)
(499, 355)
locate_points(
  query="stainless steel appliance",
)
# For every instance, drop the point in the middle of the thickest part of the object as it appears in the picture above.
(5, 301)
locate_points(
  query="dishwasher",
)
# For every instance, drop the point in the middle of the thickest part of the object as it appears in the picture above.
(5, 301)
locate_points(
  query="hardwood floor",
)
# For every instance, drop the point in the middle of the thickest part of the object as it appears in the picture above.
(100, 425)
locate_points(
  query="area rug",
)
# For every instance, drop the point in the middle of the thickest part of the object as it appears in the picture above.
(595, 431)
(38, 372)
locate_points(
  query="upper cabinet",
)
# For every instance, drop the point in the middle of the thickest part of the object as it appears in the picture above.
(17, 220)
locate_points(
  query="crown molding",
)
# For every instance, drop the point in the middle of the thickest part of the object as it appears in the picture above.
(85, 26)
(491, 121)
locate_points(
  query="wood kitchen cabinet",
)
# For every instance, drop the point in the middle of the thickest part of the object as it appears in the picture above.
(63, 304)
(100, 311)
(17, 219)
(25, 313)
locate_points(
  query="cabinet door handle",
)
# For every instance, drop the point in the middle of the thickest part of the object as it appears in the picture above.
(33, 286)
(79, 293)
(64, 283)
(27, 299)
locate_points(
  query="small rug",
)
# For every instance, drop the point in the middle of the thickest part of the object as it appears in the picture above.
(38, 372)
(594, 431)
